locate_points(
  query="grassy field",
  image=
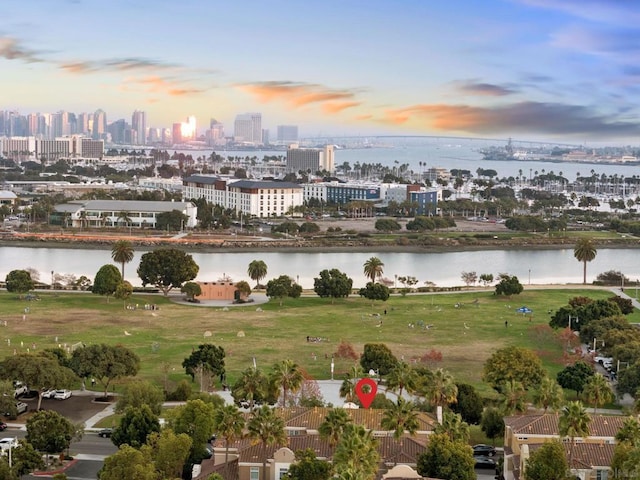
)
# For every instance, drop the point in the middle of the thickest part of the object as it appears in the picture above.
(465, 327)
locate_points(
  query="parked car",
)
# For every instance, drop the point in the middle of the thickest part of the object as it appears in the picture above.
(21, 388)
(21, 407)
(484, 450)
(105, 432)
(8, 442)
(48, 392)
(62, 394)
(484, 462)
(3, 426)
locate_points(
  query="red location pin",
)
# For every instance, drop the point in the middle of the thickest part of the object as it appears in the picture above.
(366, 397)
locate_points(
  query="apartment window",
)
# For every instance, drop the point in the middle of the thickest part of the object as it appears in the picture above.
(254, 473)
(602, 474)
(282, 472)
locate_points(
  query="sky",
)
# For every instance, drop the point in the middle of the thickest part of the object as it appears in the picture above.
(556, 70)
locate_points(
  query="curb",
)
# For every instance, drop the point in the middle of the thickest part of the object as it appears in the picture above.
(53, 472)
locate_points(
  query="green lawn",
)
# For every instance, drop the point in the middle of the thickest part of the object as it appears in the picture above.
(465, 327)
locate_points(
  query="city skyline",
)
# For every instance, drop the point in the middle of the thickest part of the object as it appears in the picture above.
(535, 69)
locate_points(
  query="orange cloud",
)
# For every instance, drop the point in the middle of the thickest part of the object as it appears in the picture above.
(337, 107)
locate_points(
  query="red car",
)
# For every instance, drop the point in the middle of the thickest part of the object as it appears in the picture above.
(3, 426)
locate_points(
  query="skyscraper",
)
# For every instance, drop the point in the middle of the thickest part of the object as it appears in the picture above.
(139, 126)
(287, 134)
(99, 124)
(248, 128)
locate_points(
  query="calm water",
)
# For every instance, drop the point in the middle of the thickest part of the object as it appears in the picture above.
(444, 269)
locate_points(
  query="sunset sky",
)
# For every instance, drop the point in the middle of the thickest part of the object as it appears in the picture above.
(529, 69)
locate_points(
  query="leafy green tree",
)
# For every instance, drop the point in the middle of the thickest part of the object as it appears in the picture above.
(548, 395)
(267, 427)
(257, 271)
(49, 432)
(454, 427)
(513, 363)
(548, 462)
(281, 287)
(288, 375)
(574, 377)
(208, 357)
(308, 467)
(584, 251)
(18, 281)
(598, 391)
(174, 220)
(387, 225)
(107, 280)
(309, 228)
(138, 393)
(373, 269)
(400, 418)
(468, 404)
(169, 452)
(105, 363)
(123, 292)
(508, 285)
(629, 432)
(243, 289)
(356, 455)
(6, 473)
(444, 458)
(486, 278)
(134, 427)
(7, 400)
(332, 283)
(375, 291)
(379, 358)
(629, 379)
(492, 423)
(122, 252)
(573, 423)
(514, 395)
(128, 462)
(25, 459)
(333, 426)
(196, 419)
(191, 290)
(228, 422)
(167, 268)
(253, 386)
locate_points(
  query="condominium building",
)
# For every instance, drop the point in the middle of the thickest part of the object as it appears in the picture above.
(139, 127)
(310, 159)
(247, 128)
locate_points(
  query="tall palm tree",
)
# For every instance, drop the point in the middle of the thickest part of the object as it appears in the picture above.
(514, 397)
(400, 377)
(399, 418)
(373, 269)
(548, 395)
(441, 390)
(228, 422)
(598, 391)
(287, 375)
(333, 426)
(123, 216)
(122, 252)
(257, 271)
(573, 423)
(356, 456)
(584, 251)
(267, 427)
(629, 432)
(454, 427)
(253, 384)
(348, 387)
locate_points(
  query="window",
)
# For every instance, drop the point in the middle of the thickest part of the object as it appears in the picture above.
(282, 472)
(602, 474)
(254, 473)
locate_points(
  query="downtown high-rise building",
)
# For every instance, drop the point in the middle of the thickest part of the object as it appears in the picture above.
(247, 128)
(139, 128)
(99, 124)
(287, 134)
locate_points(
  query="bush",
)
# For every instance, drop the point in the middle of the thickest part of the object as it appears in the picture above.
(612, 277)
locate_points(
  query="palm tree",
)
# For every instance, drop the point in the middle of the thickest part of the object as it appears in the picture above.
(629, 432)
(454, 427)
(574, 422)
(228, 422)
(257, 271)
(514, 397)
(287, 374)
(373, 269)
(400, 418)
(584, 251)
(400, 377)
(548, 395)
(356, 456)
(124, 217)
(267, 427)
(334, 425)
(598, 391)
(348, 387)
(122, 252)
(441, 390)
(252, 384)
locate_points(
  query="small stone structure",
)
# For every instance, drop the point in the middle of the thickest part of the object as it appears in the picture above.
(220, 290)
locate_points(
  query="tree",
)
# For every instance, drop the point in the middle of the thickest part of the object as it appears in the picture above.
(129, 462)
(454, 427)
(107, 280)
(492, 423)
(387, 225)
(584, 251)
(124, 217)
(402, 376)
(123, 292)
(548, 395)
(508, 285)
(122, 252)
(548, 462)
(469, 278)
(267, 427)
(514, 397)
(332, 283)
(375, 291)
(574, 377)
(25, 459)
(440, 390)
(333, 426)
(283, 286)
(257, 271)
(252, 386)
(134, 427)
(573, 423)
(308, 467)
(207, 358)
(191, 290)
(243, 289)
(169, 452)
(228, 422)
(373, 269)
(356, 453)
(49, 432)
(167, 268)
(444, 458)
(400, 418)
(288, 375)
(513, 363)
(105, 363)
(486, 279)
(598, 391)
(174, 220)
(379, 358)
(468, 404)
(195, 418)
(18, 281)
(138, 393)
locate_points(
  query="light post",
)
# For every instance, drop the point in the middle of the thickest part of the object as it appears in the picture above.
(576, 320)
(530, 284)
(332, 367)
(618, 366)
(594, 344)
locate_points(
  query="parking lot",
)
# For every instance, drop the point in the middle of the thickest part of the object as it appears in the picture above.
(78, 408)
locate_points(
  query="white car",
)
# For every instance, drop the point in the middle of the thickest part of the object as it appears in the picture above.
(48, 393)
(8, 442)
(62, 394)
